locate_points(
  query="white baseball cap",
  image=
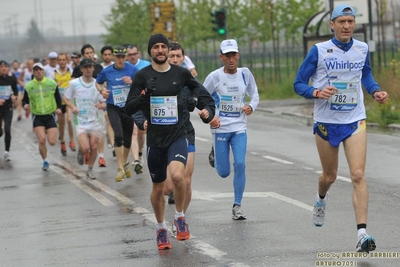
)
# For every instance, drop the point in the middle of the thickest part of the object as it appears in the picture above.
(52, 55)
(228, 46)
(38, 65)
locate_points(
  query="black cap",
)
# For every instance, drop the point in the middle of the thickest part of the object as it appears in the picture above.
(157, 38)
(75, 54)
(119, 51)
(87, 62)
(3, 62)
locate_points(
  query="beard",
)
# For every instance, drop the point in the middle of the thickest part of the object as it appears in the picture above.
(156, 60)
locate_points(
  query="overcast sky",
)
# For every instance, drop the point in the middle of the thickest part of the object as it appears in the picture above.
(16, 15)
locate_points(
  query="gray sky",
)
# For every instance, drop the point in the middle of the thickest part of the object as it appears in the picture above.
(15, 15)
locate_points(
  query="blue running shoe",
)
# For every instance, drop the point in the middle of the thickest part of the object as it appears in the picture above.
(45, 165)
(366, 243)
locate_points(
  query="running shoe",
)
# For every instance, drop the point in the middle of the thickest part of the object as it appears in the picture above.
(319, 211)
(127, 170)
(102, 162)
(141, 159)
(137, 167)
(90, 175)
(120, 175)
(63, 149)
(162, 239)
(366, 243)
(80, 158)
(171, 199)
(113, 153)
(182, 229)
(72, 145)
(211, 159)
(7, 156)
(237, 213)
(87, 155)
(45, 165)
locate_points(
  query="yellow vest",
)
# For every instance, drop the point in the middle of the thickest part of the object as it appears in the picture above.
(63, 82)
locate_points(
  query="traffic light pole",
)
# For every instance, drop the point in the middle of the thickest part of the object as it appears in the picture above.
(226, 20)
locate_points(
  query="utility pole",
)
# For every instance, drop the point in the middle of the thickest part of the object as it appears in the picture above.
(73, 21)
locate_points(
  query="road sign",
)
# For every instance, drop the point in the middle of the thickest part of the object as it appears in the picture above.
(163, 19)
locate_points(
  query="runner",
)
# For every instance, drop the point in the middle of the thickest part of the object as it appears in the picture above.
(84, 100)
(52, 66)
(8, 95)
(118, 78)
(138, 136)
(62, 76)
(43, 100)
(16, 70)
(338, 70)
(229, 85)
(157, 90)
(87, 51)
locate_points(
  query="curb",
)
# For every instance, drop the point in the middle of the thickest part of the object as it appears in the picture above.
(308, 120)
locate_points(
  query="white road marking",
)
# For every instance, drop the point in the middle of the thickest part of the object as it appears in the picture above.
(90, 191)
(278, 160)
(202, 247)
(342, 178)
(212, 196)
(202, 139)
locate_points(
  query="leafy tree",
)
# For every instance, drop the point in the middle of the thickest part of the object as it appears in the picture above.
(128, 22)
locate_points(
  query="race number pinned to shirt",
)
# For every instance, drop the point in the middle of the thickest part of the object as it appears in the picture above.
(346, 97)
(5, 92)
(120, 96)
(164, 110)
(230, 105)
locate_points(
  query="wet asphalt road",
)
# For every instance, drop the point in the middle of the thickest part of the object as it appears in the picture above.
(58, 218)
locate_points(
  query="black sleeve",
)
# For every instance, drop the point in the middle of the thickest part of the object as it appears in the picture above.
(206, 101)
(139, 119)
(136, 100)
(58, 98)
(25, 99)
(192, 84)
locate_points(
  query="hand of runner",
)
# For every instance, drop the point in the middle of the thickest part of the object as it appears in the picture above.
(101, 105)
(215, 123)
(204, 114)
(381, 97)
(127, 79)
(327, 92)
(105, 93)
(75, 110)
(2, 102)
(151, 86)
(247, 110)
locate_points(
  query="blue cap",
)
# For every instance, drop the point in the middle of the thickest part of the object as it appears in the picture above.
(340, 11)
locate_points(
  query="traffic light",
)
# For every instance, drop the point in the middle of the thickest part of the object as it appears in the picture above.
(219, 19)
